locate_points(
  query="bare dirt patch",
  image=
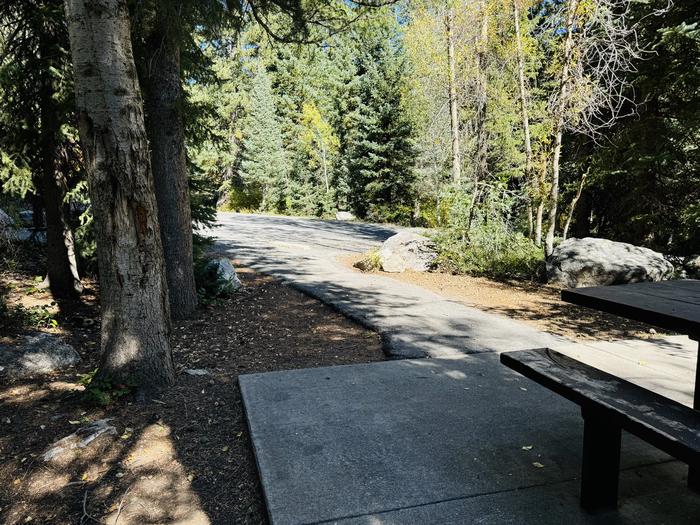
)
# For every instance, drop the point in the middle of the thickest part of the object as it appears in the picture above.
(534, 303)
(185, 456)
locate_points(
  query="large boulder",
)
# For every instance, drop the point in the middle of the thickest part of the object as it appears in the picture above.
(222, 271)
(692, 266)
(40, 353)
(597, 262)
(407, 251)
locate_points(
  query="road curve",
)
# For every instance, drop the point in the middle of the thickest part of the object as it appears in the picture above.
(413, 321)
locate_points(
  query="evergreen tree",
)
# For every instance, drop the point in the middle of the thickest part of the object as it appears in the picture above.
(380, 150)
(264, 164)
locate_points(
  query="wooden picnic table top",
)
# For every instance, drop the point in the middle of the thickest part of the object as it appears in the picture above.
(671, 305)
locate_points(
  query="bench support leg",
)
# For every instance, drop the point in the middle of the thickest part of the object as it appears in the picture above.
(694, 472)
(601, 461)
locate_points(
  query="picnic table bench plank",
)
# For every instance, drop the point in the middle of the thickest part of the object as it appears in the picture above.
(609, 404)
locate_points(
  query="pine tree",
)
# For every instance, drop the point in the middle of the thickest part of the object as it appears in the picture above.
(264, 164)
(381, 152)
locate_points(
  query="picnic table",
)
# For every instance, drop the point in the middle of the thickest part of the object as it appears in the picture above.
(671, 305)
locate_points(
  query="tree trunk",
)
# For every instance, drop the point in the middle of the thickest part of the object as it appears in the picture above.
(574, 201)
(61, 265)
(539, 219)
(529, 180)
(325, 167)
(163, 98)
(481, 98)
(559, 115)
(133, 291)
(452, 94)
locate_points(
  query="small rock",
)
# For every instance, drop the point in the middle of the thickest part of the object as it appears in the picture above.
(652, 331)
(196, 371)
(221, 269)
(344, 216)
(38, 354)
(407, 251)
(79, 439)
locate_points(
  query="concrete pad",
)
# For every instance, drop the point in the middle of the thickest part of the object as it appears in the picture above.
(437, 441)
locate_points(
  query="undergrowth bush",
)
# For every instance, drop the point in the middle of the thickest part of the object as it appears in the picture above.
(506, 256)
(370, 262)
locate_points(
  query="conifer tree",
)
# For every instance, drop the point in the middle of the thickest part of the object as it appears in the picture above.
(264, 164)
(381, 152)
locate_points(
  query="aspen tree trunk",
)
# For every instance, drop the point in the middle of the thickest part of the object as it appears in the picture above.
(133, 292)
(325, 167)
(531, 184)
(562, 101)
(163, 97)
(62, 268)
(481, 103)
(452, 89)
(539, 214)
(574, 202)
(481, 168)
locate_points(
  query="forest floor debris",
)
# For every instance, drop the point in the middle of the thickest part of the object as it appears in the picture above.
(184, 456)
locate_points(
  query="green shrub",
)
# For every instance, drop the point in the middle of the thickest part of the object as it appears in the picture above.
(242, 199)
(394, 214)
(499, 255)
(102, 391)
(370, 262)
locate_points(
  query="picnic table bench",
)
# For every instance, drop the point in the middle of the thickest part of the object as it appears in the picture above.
(609, 405)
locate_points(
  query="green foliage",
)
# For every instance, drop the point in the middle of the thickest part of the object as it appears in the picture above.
(492, 253)
(104, 391)
(264, 163)
(370, 262)
(210, 286)
(645, 174)
(21, 317)
(380, 150)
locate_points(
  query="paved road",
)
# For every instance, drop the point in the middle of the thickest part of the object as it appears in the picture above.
(412, 321)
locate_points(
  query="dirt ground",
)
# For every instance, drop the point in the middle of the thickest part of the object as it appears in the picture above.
(184, 457)
(537, 304)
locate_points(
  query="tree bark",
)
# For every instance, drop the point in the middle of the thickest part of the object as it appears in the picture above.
(61, 264)
(574, 201)
(163, 99)
(133, 292)
(482, 97)
(452, 94)
(531, 184)
(559, 115)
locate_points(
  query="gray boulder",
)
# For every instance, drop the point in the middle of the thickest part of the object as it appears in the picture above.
(407, 251)
(6, 226)
(223, 271)
(692, 266)
(597, 262)
(40, 353)
(344, 216)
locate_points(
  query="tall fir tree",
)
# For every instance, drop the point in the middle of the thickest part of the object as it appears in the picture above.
(264, 164)
(380, 147)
